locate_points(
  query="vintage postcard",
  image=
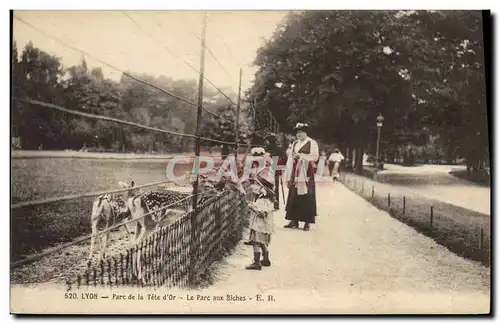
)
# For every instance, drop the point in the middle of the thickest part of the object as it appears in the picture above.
(250, 162)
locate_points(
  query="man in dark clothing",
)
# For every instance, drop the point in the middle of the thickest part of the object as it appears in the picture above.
(224, 151)
(275, 148)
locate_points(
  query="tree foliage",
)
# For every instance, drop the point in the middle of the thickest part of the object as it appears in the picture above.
(41, 76)
(424, 71)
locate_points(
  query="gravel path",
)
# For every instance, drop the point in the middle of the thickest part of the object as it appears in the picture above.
(354, 253)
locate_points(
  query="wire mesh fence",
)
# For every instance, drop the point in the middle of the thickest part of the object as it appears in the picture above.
(176, 255)
(465, 232)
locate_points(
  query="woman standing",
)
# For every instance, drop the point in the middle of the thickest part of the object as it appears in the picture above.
(303, 157)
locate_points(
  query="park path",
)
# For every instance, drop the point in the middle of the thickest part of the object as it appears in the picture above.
(355, 259)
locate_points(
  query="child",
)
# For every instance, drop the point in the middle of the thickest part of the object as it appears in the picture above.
(257, 182)
(335, 158)
(261, 229)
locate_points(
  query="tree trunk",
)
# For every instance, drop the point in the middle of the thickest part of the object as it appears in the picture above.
(358, 163)
(359, 160)
(450, 154)
(123, 140)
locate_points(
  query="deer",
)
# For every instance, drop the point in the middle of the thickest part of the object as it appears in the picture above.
(149, 208)
(110, 210)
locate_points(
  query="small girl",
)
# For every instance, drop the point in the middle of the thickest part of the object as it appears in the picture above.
(261, 229)
(258, 181)
(261, 198)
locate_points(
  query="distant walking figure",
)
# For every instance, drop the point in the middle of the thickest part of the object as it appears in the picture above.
(335, 159)
(303, 157)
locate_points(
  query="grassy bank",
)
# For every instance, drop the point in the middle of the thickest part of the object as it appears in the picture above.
(480, 177)
(465, 232)
(26, 154)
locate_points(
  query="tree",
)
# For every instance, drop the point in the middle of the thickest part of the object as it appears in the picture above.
(37, 76)
(339, 69)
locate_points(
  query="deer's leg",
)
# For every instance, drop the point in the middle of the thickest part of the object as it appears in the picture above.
(138, 265)
(129, 232)
(104, 244)
(104, 240)
(136, 232)
(160, 218)
(142, 232)
(93, 238)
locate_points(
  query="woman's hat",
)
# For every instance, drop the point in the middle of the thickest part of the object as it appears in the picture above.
(301, 127)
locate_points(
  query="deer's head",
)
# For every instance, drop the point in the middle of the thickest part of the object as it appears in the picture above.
(132, 191)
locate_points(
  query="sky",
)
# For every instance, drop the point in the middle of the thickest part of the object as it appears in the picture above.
(154, 42)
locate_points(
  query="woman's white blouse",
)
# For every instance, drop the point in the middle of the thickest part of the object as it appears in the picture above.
(312, 156)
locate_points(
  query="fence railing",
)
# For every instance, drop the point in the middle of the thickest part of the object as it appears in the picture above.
(172, 256)
(465, 232)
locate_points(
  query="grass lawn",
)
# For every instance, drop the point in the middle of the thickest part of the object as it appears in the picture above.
(464, 232)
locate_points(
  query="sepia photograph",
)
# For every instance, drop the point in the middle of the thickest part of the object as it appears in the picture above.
(283, 162)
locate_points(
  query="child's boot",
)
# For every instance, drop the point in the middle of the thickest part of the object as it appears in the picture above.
(265, 259)
(256, 262)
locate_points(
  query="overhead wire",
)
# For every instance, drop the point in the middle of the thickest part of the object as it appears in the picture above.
(213, 55)
(49, 105)
(186, 62)
(223, 43)
(116, 120)
(74, 48)
(105, 63)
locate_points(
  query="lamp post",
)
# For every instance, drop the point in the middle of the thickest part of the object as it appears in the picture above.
(380, 122)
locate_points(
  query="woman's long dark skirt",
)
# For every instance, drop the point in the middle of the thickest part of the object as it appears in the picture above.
(301, 208)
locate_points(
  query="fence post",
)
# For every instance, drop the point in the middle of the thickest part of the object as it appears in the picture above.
(109, 273)
(236, 125)
(194, 215)
(373, 191)
(101, 265)
(404, 204)
(432, 214)
(389, 199)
